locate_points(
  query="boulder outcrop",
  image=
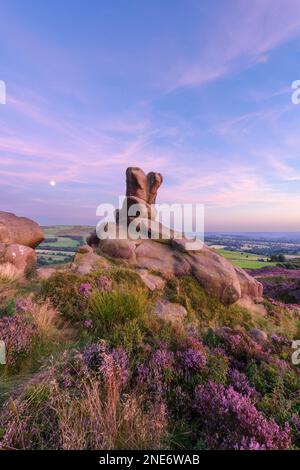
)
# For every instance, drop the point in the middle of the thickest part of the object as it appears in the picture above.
(170, 255)
(21, 258)
(18, 238)
(19, 230)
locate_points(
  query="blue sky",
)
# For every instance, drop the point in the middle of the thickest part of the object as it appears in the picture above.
(198, 90)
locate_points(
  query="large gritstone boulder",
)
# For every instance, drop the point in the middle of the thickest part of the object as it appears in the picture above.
(19, 230)
(19, 260)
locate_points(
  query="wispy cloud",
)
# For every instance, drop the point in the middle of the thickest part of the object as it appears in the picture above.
(242, 35)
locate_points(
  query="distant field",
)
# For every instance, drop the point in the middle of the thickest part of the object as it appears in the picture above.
(63, 230)
(245, 260)
(61, 242)
(52, 252)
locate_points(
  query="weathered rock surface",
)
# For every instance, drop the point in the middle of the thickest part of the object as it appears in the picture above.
(151, 281)
(44, 273)
(85, 260)
(170, 312)
(21, 257)
(19, 230)
(214, 273)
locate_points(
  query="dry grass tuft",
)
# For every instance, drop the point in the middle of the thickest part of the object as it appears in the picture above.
(8, 273)
(47, 320)
(101, 419)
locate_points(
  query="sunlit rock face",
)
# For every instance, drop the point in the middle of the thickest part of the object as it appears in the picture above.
(170, 256)
(19, 230)
(18, 238)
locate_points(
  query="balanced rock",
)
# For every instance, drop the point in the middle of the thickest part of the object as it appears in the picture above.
(19, 230)
(159, 249)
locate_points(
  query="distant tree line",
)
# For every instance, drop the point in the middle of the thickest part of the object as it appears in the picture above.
(280, 258)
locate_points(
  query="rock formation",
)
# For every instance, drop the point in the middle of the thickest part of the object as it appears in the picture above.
(169, 255)
(18, 238)
(19, 230)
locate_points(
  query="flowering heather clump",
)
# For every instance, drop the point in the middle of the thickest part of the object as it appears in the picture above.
(17, 332)
(98, 358)
(24, 305)
(104, 283)
(243, 348)
(88, 324)
(193, 359)
(230, 420)
(92, 355)
(85, 289)
(193, 356)
(115, 365)
(158, 371)
(120, 358)
(241, 384)
(280, 283)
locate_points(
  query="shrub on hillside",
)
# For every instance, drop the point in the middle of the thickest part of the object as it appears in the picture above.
(85, 407)
(18, 333)
(229, 420)
(207, 310)
(62, 289)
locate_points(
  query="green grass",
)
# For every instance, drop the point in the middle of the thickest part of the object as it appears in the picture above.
(61, 243)
(245, 260)
(108, 309)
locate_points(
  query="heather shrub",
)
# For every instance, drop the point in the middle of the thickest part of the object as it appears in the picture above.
(7, 309)
(156, 374)
(264, 377)
(276, 405)
(82, 404)
(18, 333)
(242, 347)
(62, 289)
(217, 366)
(130, 335)
(229, 420)
(24, 305)
(239, 381)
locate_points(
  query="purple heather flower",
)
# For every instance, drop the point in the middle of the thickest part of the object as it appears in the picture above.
(104, 283)
(241, 384)
(17, 332)
(115, 362)
(231, 421)
(93, 355)
(194, 359)
(88, 324)
(24, 305)
(85, 289)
